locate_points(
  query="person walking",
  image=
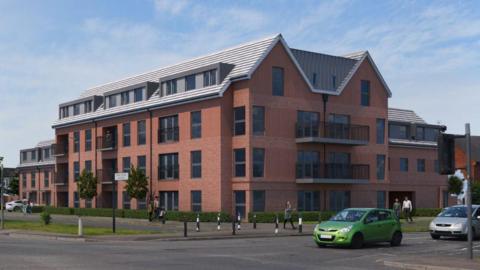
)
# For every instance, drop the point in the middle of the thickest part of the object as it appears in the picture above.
(29, 207)
(288, 215)
(24, 207)
(397, 208)
(151, 209)
(407, 209)
(156, 207)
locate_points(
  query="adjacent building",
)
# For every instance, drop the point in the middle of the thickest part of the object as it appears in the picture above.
(461, 156)
(247, 129)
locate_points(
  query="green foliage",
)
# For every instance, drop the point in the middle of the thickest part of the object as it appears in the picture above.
(455, 185)
(269, 217)
(476, 193)
(426, 212)
(38, 209)
(87, 185)
(60, 210)
(137, 184)
(45, 217)
(14, 185)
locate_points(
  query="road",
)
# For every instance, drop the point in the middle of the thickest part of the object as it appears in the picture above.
(260, 253)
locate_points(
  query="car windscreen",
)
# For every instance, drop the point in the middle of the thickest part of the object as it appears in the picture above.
(458, 212)
(348, 215)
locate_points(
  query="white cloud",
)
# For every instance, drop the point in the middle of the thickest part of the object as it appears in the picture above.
(173, 7)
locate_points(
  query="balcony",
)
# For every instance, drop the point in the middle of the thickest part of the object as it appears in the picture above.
(106, 143)
(60, 149)
(61, 178)
(168, 134)
(332, 133)
(332, 173)
(106, 176)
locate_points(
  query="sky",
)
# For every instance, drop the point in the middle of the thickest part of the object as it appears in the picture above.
(50, 51)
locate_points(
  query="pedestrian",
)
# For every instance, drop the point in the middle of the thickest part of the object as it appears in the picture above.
(407, 209)
(156, 207)
(151, 209)
(29, 207)
(288, 215)
(162, 215)
(397, 208)
(24, 207)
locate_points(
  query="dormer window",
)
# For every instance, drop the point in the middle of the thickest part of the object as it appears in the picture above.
(76, 109)
(171, 87)
(64, 112)
(209, 78)
(190, 82)
(112, 101)
(138, 94)
(334, 81)
(125, 97)
(88, 106)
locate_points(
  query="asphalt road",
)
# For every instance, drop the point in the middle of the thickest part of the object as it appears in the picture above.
(260, 253)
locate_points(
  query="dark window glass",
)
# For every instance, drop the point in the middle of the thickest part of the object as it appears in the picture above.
(88, 165)
(308, 164)
(76, 109)
(125, 97)
(239, 202)
(258, 162)
(339, 200)
(190, 82)
(88, 106)
(112, 101)
(380, 131)
(196, 124)
(420, 165)
(307, 124)
(169, 200)
(24, 156)
(196, 164)
(258, 120)
(142, 163)
(277, 81)
(76, 141)
(259, 201)
(404, 164)
(209, 78)
(46, 176)
(420, 134)
(445, 199)
(308, 200)
(126, 134)
(34, 155)
(138, 94)
(365, 96)
(239, 121)
(436, 166)
(168, 166)
(334, 81)
(398, 132)
(88, 140)
(239, 162)
(381, 199)
(431, 134)
(76, 200)
(314, 79)
(126, 200)
(169, 131)
(126, 164)
(33, 180)
(171, 87)
(380, 167)
(46, 153)
(24, 180)
(196, 198)
(76, 170)
(141, 132)
(142, 204)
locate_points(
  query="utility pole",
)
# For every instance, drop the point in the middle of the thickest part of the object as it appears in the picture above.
(2, 183)
(469, 191)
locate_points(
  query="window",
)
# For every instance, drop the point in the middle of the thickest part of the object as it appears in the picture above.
(209, 78)
(314, 79)
(169, 200)
(258, 162)
(196, 198)
(308, 164)
(126, 200)
(34, 155)
(196, 164)
(142, 203)
(168, 131)
(380, 167)
(307, 124)
(126, 134)
(436, 166)
(334, 81)
(76, 141)
(365, 96)
(380, 131)
(88, 165)
(168, 166)
(196, 124)
(33, 180)
(308, 200)
(239, 162)
(420, 165)
(431, 134)
(339, 200)
(88, 139)
(126, 164)
(88, 106)
(239, 121)
(404, 164)
(445, 199)
(420, 133)
(88, 203)
(24, 156)
(141, 132)
(46, 153)
(239, 202)
(46, 180)
(76, 109)
(277, 81)
(125, 97)
(76, 170)
(138, 94)
(381, 199)
(258, 201)
(258, 120)
(142, 163)
(112, 101)
(24, 180)
(76, 200)
(398, 132)
(190, 82)
(171, 87)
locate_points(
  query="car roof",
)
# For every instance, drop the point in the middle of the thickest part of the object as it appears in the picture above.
(462, 205)
(366, 209)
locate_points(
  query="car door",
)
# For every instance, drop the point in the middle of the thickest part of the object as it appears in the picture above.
(371, 227)
(476, 221)
(386, 224)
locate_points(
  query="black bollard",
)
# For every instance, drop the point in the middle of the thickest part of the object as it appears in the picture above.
(198, 223)
(300, 219)
(239, 220)
(233, 226)
(276, 224)
(254, 221)
(184, 229)
(218, 222)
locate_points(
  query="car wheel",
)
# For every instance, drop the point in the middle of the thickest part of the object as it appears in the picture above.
(16, 209)
(434, 236)
(396, 239)
(320, 245)
(357, 241)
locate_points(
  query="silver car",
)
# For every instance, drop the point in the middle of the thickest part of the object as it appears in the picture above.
(452, 222)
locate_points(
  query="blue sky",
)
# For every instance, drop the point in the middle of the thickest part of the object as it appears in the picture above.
(50, 51)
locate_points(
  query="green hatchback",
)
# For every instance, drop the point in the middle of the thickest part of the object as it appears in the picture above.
(356, 226)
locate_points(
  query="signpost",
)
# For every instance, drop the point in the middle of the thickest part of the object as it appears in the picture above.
(118, 177)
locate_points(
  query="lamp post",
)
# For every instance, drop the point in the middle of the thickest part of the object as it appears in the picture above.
(2, 183)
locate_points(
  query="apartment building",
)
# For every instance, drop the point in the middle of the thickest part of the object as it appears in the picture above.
(36, 173)
(244, 129)
(461, 156)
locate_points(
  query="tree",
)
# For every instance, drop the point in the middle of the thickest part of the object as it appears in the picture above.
(476, 193)
(455, 185)
(137, 184)
(87, 185)
(13, 186)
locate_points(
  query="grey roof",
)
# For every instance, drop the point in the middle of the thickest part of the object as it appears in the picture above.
(407, 116)
(475, 141)
(45, 143)
(37, 163)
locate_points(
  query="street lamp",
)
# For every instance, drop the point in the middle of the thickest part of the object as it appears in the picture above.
(2, 183)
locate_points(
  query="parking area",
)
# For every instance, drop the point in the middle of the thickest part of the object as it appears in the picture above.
(298, 252)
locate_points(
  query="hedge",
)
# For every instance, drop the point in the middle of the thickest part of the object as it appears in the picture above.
(269, 217)
(426, 212)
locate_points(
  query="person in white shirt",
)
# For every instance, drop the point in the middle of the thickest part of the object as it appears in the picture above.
(407, 209)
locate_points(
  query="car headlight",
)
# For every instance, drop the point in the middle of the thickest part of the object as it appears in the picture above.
(432, 224)
(346, 229)
(317, 227)
(457, 225)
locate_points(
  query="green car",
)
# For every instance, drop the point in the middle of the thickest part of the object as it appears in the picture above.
(356, 226)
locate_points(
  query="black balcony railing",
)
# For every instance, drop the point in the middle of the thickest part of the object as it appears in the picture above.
(105, 175)
(168, 172)
(168, 134)
(332, 171)
(61, 177)
(106, 143)
(332, 131)
(60, 149)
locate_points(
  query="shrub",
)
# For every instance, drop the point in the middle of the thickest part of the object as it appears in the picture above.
(269, 217)
(60, 210)
(426, 212)
(45, 217)
(38, 209)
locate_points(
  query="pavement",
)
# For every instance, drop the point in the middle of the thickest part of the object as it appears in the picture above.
(417, 251)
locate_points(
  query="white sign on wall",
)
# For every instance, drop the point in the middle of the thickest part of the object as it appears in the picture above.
(121, 176)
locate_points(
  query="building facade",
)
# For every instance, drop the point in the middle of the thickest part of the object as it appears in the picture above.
(245, 129)
(36, 172)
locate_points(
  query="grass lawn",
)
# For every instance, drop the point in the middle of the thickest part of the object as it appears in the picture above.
(419, 224)
(66, 229)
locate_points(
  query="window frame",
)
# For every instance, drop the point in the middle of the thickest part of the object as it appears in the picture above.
(257, 163)
(190, 82)
(195, 124)
(380, 130)
(196, 164)
(196, 201)
(365, 93)
(278, 87)
(169, 166)
(258, 120)
(404, 168)
(381, 167)
(241, 129)
(141, 133)
(88, 140)
(239, 166)
(421, 165)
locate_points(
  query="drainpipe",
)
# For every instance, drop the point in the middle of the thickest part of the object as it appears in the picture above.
(151, 155)
(95, 158)
(325, 100)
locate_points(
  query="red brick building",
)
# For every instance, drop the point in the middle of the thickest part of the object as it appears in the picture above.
(246, 129)
(461, 156)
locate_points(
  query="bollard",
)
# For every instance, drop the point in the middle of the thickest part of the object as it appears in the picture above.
(233, 226)
(184, 229)
(218, 222)
(254, 221)
(239, 221)
(80, 227)
(300, 223)
(198, 223)
(276, 224)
